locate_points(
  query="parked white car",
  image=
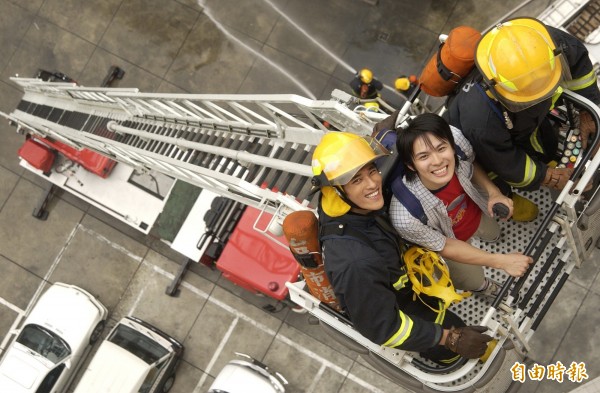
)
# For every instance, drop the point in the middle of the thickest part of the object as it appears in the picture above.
(135, 357)
(247, 376)
(53, 341)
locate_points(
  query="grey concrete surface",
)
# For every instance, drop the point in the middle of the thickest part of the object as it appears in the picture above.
(306, 47)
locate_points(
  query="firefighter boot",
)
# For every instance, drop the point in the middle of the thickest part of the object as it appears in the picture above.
(490, 348)
(523, 209)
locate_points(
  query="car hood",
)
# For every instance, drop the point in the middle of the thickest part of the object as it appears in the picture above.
(239, 379)
(20, 371)
(67, 312)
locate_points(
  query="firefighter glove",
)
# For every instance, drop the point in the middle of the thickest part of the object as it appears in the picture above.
(557, 178)
(587, 127)
(469, 341)
(389, 123)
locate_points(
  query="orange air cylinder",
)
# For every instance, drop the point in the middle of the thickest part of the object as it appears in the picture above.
(451, 62)
(301, 230)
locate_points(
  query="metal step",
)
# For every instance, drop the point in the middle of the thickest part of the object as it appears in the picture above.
(586, 22)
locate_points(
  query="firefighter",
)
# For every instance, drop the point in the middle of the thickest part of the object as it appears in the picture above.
(365, 86)
(448, 186)
(406, 84)
(522, 68)
(361, 253)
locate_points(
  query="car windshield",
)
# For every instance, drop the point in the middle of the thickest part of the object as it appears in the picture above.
(44, 342)
(138, 344)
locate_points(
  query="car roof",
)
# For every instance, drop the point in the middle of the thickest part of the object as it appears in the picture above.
(113, 370)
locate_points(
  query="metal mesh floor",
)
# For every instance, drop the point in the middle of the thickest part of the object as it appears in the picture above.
(515, 237)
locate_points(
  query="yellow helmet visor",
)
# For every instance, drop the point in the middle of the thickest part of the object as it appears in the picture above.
(351, 157)
(526, 90)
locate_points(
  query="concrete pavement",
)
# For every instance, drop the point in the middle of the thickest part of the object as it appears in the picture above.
(305, 47)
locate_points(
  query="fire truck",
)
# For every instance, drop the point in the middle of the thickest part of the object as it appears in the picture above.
(124, 151)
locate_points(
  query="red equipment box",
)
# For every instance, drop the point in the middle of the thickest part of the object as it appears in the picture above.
(37, 155)
(256, 263)
(37, 151)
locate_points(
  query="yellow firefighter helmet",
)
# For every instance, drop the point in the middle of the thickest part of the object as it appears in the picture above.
(520, 63)
(336, 159)
(366, 75)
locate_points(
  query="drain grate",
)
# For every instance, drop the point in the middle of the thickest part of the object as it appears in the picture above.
(383, 36)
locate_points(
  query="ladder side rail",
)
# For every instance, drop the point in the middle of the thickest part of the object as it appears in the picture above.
(314, 119)
(37, 85)
(184, 112)
(244, 112)
(248, 98)
(221, 112)
(165, 108)
(274, 111)
(201, 111)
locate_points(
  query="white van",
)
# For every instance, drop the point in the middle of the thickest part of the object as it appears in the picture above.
(135, 357)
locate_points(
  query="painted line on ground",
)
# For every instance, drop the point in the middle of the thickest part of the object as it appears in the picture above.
(278, 336)
(55, 263)
(114, 245)
(216, 355)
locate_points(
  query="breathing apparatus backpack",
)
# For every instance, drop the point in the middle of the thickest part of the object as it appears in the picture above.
(301, 229)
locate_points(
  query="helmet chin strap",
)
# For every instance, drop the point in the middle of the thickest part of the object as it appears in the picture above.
(340, 192)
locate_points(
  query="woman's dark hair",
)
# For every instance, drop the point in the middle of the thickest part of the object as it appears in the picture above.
(417, 128)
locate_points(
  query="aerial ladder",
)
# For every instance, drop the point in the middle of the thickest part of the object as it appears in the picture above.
(256, 150)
